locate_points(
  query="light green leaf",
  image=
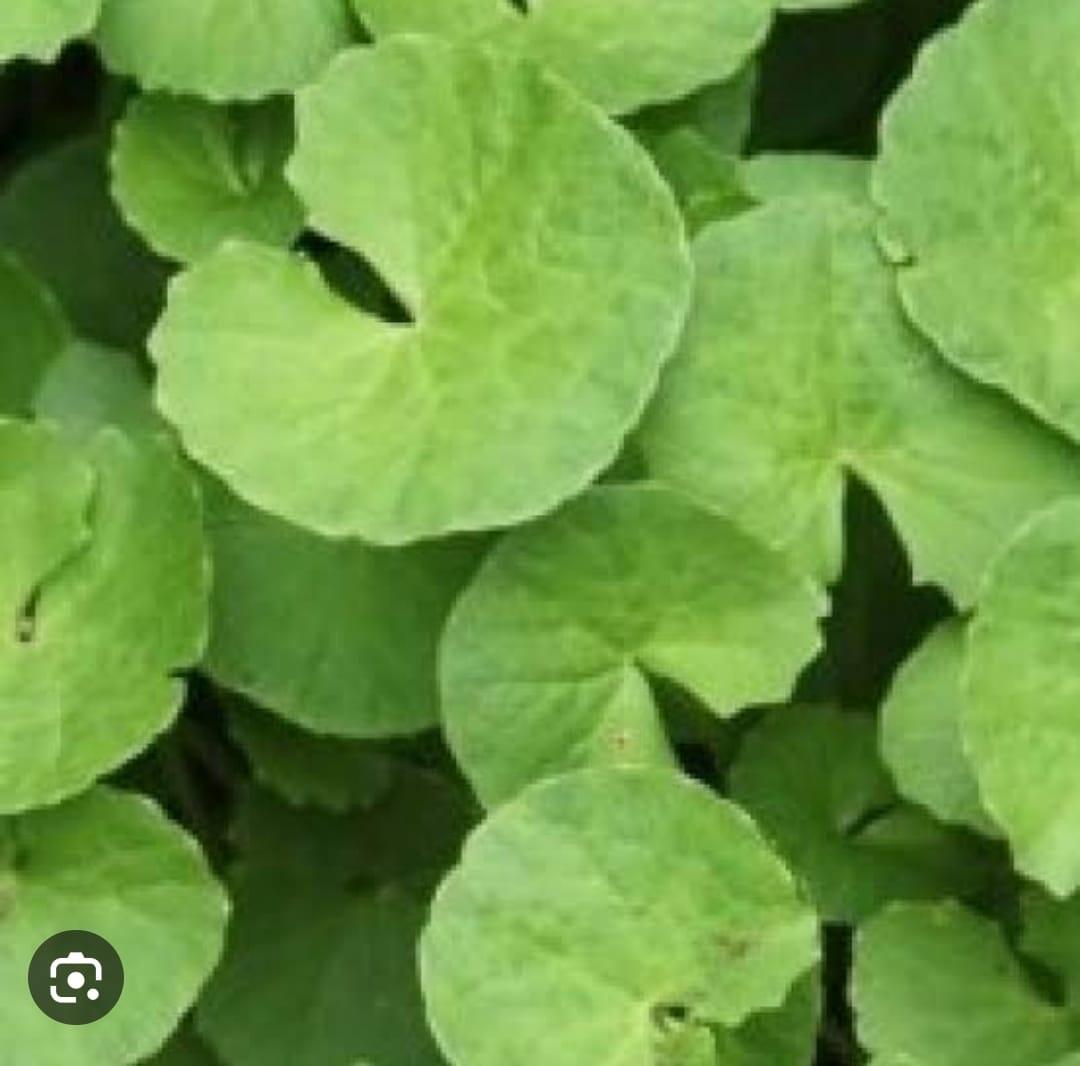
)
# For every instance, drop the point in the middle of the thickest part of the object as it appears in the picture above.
(38, 29)
(57, 216)
(222, 49)
(112, 864)
(306, 769)
(104, 589)
(797, 348)
(34, 334)
(776, 174)
(920, 732)
(454, 19)
(598, 915)
(547, 655)
(813, 781)
(1019, 721)
(622, 54)
(91, 386)
(527, 363)
(336, 636)
(977, 179)
(189, 175)
(936, 985)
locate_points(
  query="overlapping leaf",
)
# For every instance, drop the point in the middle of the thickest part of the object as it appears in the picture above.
(989, 263)
(797, 348)
(34, 335)
(104, 591)
(189, 175)
(546, 658)
(1019, 720)
(526, 363)
(110, 863)
(813, 781)
(610, 916)
(335, 635)
(624, 54)
(222, 49)
(935, 985)
(921, 736)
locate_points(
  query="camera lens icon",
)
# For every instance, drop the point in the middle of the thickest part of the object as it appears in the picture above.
(76, 977)
(74, 968)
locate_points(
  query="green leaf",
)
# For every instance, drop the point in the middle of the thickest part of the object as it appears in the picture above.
(508, 378)
(340, 959)
(707, 184)
(34, 334)
(797, 348)
(600, 914)
(222, 49)
(937, 986)
(336, 636)
(104, 590)
(773, 175)
(977, 179)
(306, 769)
(110, 863)
(184, 1049)
(921, 739)
(1051, 934)
(547, 655)
(91, 386)
(1019, 721)
(189, 175)
(454, 19)
(622, 54)
(56, 215)
(36, 30)
(813, 781)
(785, 1036)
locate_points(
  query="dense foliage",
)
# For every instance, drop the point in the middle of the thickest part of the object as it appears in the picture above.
(543, 533)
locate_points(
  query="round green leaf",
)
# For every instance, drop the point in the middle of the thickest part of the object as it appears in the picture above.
(920, 732)
(1019, 721)
(104, 589)
(977, 179)
(38, 30)
(526, 363)
(547, 655)
(937, 986)
(189, 175)
(797, 348)
(110, 863)
(57, 216)
(813, 781)
(336, 636)
(222, 49)
(600, 916)
(622, 54)
(306, 769)
(34, 335)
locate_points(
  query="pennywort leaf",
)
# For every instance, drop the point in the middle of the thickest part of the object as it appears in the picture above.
(546, 661)
(36, 30)
(525, 364)
(611, 916)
